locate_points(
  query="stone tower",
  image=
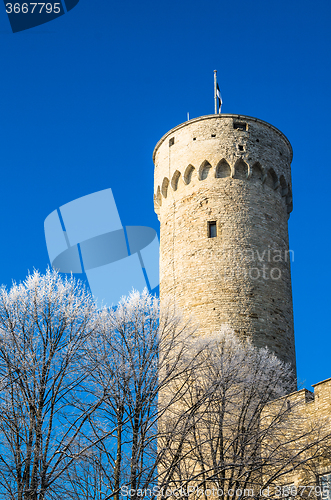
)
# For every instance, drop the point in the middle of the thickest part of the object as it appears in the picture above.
(223, 197)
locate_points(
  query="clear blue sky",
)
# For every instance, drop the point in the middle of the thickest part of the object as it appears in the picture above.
(85, 98)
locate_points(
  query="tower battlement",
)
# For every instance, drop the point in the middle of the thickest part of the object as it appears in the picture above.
(222, 192)
(221, 146)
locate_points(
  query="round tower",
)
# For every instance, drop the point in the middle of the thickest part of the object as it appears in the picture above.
(222, 193)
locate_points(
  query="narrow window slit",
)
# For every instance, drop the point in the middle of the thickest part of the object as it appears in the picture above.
(212, 230)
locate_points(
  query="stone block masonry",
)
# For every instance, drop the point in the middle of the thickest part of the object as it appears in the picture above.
(223, 197)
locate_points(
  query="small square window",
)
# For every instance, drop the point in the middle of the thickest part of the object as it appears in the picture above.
(171, 141)
(241, 148)
(240, 126)
(212, 230)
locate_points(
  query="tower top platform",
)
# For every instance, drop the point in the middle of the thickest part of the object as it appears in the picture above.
(222, 117)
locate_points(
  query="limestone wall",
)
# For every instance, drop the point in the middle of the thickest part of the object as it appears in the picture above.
(233, 171)
(309, 422)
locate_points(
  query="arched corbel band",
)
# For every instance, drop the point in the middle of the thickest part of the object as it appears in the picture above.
(239, 171)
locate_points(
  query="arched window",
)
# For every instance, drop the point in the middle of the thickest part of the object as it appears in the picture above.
(271, 179)
(174, 180)
(164, 189)
(188, 174)
(223, 169)
(240, 170)
(257, 173)
(283, 185)
(204, 170)
(158, 197)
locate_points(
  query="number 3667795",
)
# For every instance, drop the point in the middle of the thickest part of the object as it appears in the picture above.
(31, 8)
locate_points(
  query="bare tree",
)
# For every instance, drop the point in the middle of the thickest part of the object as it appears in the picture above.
(137, 353)
(241, 432)
(44, 325)
(190, 415)
(131, 402)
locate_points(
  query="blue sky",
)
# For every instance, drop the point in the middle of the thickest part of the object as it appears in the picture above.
(85, 98)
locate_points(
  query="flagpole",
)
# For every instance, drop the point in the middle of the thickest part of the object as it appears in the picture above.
(215, 94)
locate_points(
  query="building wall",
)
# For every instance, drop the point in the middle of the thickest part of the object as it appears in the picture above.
(308, 420)
(235, 171)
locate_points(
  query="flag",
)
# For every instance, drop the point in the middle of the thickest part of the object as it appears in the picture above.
(219, 97)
